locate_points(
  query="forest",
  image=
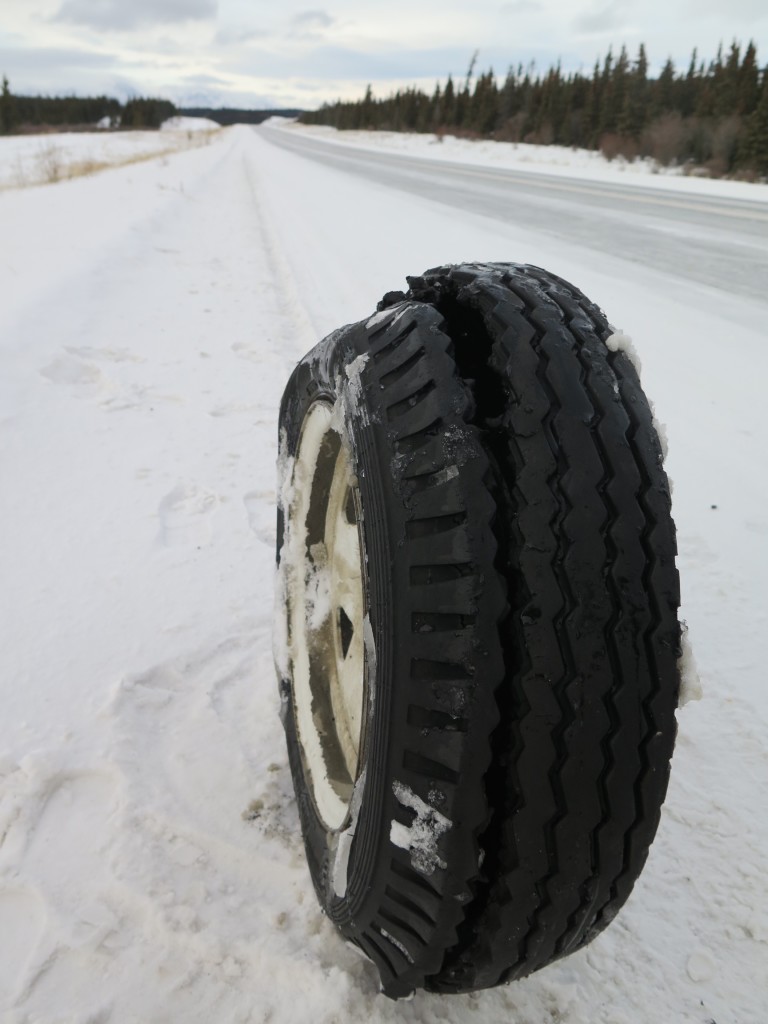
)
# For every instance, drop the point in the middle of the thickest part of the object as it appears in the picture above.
(711, 117)
(28, 113)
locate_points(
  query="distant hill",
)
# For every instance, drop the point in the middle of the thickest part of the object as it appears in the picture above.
(231, 115)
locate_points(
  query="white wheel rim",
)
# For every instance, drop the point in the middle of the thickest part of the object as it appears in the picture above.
(326, 613)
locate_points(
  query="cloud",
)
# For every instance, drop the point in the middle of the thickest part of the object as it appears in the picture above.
(203, 81)
(237, 36)
(131, 14)
(336, 63)
(522, 7)
(53, 59)
(604, 18)
(310, 23)
(755, 9)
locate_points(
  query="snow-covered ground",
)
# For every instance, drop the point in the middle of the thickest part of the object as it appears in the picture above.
(151, 867)
(52, 157)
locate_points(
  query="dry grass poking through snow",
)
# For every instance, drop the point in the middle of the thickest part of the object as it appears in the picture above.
(66, 156)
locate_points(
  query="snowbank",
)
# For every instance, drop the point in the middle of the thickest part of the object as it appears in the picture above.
(189, 124)
(53, 157)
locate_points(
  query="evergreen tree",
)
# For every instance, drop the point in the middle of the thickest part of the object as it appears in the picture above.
(726, 91)
(593, 108)
(6, 108)
(749, 84)
(436, 109)
(605, 117)
(664, 90)
(686, 98)
(634, 112)
(449, 104)
(367, 119)
(508, 98)
(484, 107)
(754, 149)
(620, 85)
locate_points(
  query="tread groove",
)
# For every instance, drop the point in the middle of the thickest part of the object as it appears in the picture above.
(407, 444)
(439, 671)
(424, 575)
(417, 528)
(413, 878)
(428, 718)
(395, 896)
(390, 346)
(440, 622)
(404, 405)
(428, 768)
(393, 376)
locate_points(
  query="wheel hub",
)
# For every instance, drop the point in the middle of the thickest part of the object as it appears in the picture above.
(326, 613)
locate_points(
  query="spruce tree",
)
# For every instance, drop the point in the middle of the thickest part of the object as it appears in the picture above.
(605, 121)
(592, 115)
(484, 108)
(634, 112)
(689, 87)
(6, 108)
(749, 84)
(664, 90)
(449, 104)
(755, 145)
(367, 119)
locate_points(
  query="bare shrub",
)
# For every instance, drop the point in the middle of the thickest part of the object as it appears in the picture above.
(699, 145)
(665, 139)
(716, 167)
(512, 129)
(466, 133)
(613, 146)
(50, 163)
(726, 137)
(746, 174)
(692, 170)
(85, 167)
(543, 136)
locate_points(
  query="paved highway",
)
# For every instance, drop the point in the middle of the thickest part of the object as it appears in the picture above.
(718, 242)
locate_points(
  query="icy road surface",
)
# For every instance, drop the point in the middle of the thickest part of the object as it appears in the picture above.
(711, 239)
(151, 867)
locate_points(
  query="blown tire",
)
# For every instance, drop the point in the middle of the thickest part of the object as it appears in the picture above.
(478, 644)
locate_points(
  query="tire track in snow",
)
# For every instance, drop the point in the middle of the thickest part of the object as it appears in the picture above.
(298, 330)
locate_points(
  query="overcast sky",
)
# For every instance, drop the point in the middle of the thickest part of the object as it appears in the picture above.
(267, 53)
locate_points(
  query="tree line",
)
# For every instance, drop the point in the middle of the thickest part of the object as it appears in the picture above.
(712, 115)
(22, 113)
(237, 115)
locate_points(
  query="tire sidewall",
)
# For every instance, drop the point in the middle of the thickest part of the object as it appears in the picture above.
(322, 377)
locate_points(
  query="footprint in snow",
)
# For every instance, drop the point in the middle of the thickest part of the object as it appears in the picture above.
(185, 515)
(103, 355)
(255, 355)
(196, 742)
(260, 508)
(83, 379)
(232, 409)
(22, 920)
(72, 830)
